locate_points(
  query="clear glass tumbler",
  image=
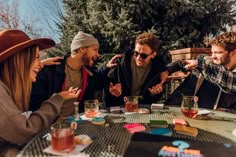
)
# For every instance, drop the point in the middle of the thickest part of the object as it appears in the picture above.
(189, 106)
(91, 108)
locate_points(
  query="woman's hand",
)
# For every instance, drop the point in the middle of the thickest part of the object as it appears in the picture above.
(70, 94)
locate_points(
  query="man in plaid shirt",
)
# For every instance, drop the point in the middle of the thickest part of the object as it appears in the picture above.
(211, 78)
(223, 71)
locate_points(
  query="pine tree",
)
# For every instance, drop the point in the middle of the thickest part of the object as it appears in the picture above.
(177, 23)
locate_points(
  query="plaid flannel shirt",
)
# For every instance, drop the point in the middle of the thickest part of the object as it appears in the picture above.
(217, 74)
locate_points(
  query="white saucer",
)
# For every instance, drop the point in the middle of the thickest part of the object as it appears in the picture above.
(76, 151)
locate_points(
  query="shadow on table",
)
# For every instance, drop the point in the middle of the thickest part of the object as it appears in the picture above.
(109, 139)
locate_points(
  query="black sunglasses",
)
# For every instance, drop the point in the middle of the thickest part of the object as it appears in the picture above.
(142, 55)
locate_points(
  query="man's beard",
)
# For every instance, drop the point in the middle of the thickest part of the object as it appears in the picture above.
(87, 60)
(225, 61)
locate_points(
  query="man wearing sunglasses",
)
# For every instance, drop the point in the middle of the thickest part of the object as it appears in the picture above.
(138, 73)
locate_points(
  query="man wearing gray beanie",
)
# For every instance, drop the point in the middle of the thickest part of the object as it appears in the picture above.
(75, 70)
(83, 40)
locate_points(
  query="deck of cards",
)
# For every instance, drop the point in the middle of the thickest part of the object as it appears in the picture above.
(177, 121)
(156, 106)
(186, 130)
(158, 123)
(134, 127)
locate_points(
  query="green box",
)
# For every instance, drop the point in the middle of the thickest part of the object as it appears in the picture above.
(158, 123)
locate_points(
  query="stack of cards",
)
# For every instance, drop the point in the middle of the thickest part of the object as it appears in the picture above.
(158, 123)
(185, 130)
(116, 109)
(177, 121)
(157, 106)
(161, 131)
(134, 127)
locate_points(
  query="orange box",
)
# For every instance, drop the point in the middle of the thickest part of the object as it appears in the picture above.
(189, 131)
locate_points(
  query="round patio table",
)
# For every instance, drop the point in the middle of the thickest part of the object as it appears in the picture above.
(112, 139)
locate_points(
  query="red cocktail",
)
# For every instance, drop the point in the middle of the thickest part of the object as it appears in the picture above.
(189, 106)
(62, 137)
(131, 103)
(131, 107)
(189, 113)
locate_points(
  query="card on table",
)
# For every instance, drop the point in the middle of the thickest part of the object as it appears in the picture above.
(204, 112)
(116, 109)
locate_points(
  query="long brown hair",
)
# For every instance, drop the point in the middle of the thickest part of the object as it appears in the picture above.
(15, 73)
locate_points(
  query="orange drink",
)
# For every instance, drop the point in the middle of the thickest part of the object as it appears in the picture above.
(91, 108)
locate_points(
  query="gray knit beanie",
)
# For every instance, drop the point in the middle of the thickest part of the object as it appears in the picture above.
(83, 40)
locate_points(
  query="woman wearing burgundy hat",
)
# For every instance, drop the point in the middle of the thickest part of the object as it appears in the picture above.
(19, 65)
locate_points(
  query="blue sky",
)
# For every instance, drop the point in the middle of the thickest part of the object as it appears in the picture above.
(42, 14)
(45, 13)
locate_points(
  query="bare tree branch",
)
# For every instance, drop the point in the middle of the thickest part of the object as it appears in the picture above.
(50, 13)
(9, 16)
(42, 20)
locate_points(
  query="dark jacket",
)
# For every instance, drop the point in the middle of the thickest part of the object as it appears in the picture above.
(122, 74)
(51, 79)
(207, 93)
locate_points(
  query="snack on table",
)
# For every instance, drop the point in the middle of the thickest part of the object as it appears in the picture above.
(190, 131)
(82, 139)
(98, 121)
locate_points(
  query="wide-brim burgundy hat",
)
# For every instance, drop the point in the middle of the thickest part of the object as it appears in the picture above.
(12, 41)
